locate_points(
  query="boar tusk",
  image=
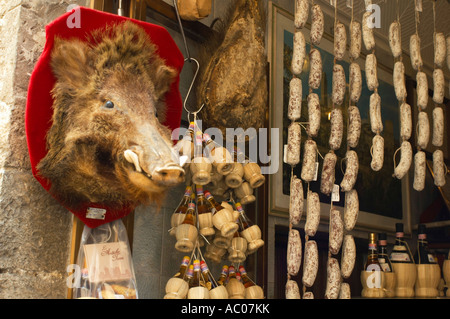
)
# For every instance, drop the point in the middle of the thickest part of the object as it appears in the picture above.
(132, 157)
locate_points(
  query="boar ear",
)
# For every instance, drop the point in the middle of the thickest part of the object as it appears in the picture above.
(70, 62)
(164, 78)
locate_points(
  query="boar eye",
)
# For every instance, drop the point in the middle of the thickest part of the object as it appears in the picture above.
(109, 105)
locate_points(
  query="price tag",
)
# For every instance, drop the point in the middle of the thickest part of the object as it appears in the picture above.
(284, 153)
(316, 171)
(95, 213)
(335, 194)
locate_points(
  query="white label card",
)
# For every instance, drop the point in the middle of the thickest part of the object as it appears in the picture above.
(335, 194)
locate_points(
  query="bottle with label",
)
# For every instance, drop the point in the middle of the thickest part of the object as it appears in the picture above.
(195, 281)
(386, 266)
(200, 166)
(210, 282)
(179, 213)
(428, 270)
(251, 232)
(372, 276)
(422, 255)
(400, 253)
(235, 288)
(383, 257)
(215, 206)
(223, 276)
(186, 233)
(252, 290)
(177, 287)
(183, 267)
(204, 213)
(403, 265)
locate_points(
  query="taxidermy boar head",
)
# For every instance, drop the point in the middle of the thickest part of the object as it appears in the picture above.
(106, 144)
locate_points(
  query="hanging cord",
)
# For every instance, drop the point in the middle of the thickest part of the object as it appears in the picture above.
(189, 59)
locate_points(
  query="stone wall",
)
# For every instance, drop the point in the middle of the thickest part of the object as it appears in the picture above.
(35, 231)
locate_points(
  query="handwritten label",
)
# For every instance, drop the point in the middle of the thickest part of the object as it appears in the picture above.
(107, 262)
(335, 194)
(96, 213)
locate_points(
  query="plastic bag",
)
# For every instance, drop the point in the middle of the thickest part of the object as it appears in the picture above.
(106, 264)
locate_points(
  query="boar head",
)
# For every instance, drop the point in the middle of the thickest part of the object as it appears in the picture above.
(106, 143)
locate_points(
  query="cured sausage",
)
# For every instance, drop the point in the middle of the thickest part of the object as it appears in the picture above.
(423, 129)
(377, 153)
(351, 209)
(422, 90)
(355, 80)
(355, 40)
(298, 52)
(351, 171)
(354, 126)
(315, 71)
(337, 128)
(338, 85)
(439, 49)
(294, 252)
(376, 122)
(317, 24)
(367, 31)
(395, 41)
(336, 232)
(405, 121)
(348, 256)
(301, 13)
(439, 169)
(438, 126)
(414, 51)
(313, 114)
(312, 213)
(328, 173)
(419, 171)
(371, 72)
(405, 160)
(295, 200)
(311, 263)
(293, 144)
(295, 99)
(334, 280)
(309, 160)
(439, 86)
(292, 290)
(340, 41)
(399, 81)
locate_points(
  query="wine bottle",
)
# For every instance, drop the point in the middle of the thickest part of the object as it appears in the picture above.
(178, 214)
(183, 267)
(190, 215)
(244, 221)
(223, 276)
(210, 282)
(195, 281)
(245, 279)
(372, 263)
(422, 255)
(400, 253)
(383, 257)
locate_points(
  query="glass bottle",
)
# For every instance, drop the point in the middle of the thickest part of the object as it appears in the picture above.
(383, 257)
(422, 255)
(372, 263)
(190, 215)
(183, 267)
(245, 279)
(189, 274)
(231, 272)
(244, 221)
(223, 276)
(210, 283)
(195, 281)
(400, 253)
(202, 207)
(216, 206)
(178, 213)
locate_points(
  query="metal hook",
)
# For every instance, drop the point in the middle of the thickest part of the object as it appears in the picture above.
(189, 58)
